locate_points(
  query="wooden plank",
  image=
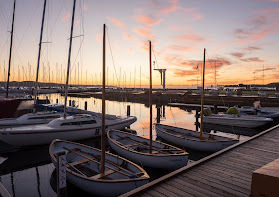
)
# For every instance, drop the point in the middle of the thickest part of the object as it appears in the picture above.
(238, 175)
(146, 195)
(193, 189)
(175, 190)
(225, 179)
(221, 175)
(207, 186)
(155, 193)
(258, 159)
(230, 187)
(164, 191)
(235, 168)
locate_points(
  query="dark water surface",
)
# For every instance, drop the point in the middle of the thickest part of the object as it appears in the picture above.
(29, 171)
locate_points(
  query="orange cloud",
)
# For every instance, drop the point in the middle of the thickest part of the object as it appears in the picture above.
(172, 8)
(149, 21)
(144, 31)
(99, 38)
(198, 16)
(67, 17)
(238, 55)
(116, 22)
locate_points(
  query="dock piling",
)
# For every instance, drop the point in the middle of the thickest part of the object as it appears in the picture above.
(158, 114)
(61, 174)
(56, 100)
(70, 103)
(215, 109)
(128, 110)
(85, 105)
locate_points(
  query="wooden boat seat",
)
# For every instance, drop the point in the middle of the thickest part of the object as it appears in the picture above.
(108, 172)
(139, 143)
(79, 162)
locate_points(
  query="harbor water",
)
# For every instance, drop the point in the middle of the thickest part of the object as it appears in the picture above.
(29, 171)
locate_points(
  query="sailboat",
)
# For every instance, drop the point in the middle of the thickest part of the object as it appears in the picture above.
(35, 117)
(144, 151)
(76, 127)
(193, 139)
(96, 171)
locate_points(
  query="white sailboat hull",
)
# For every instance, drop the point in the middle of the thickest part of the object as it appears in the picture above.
(193, 142)
(168, 162)
(233, 120)
(41, 134)
(114, 185)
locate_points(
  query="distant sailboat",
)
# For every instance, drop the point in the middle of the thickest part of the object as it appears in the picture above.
(192, 139)
(144, 151)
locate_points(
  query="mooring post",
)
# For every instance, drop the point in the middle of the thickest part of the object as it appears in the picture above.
(57, 100)
(197, 119)
(215, 109)
(158, 114)
(85, 105)
(128, 110)
(61, 174)
(70, 103)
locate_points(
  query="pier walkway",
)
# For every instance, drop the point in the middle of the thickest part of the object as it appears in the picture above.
(225, 173)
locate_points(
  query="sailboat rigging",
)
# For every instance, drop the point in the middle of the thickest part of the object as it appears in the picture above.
(192, 139)
(144, 151)
(11, 46)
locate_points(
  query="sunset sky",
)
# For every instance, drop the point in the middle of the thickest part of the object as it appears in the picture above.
(241, 36)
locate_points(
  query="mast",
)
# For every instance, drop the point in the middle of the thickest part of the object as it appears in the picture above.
(202, 96)
(150, 98)
(69, 59)
(11, 46)
(103, 140)
(39, 56)
(215, 74)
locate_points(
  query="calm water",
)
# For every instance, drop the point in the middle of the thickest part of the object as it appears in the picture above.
(29, 172)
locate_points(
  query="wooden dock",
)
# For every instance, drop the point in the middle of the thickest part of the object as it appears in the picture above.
(192, 106)
(225, 173)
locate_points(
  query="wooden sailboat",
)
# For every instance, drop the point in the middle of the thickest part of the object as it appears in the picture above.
(95, 171)
(144, 151)
(192, 139)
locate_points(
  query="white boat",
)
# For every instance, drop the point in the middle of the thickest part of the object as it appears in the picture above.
(136, 149)
(191, 139)
(76, 127)
(83, 169)
(247, 121)
(30, 119)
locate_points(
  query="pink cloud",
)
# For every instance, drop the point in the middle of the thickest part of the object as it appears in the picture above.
(238, 55)
(116, 22)
(99, 38)
(198, 16)
(149, 21)
(179, 48)
(190, 38)
(144, 31)
(127, 36)
(67, 17)
(167, 10)
(252, 59)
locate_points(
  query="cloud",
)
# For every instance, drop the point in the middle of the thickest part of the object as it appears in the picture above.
(127, 36)
(183, 73)
(170, 9)
(116, 22)
(148, 20)
(238, 55)
(144, 31)
(99, 38)
(252, 59)
(251, 48)
(179, 48)
(189, 38)
(265, 69)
